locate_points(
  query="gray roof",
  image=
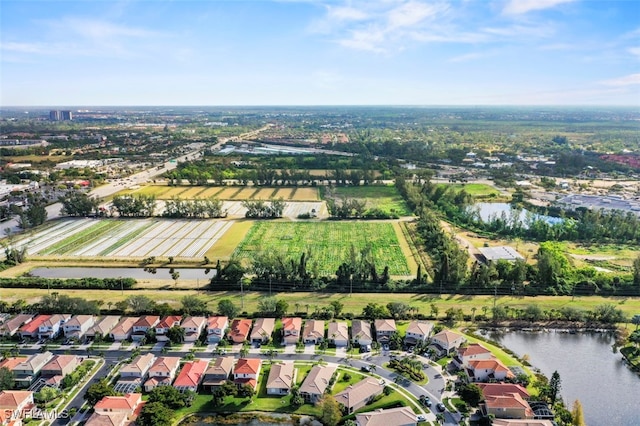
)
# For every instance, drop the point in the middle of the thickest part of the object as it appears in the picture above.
(500, 253)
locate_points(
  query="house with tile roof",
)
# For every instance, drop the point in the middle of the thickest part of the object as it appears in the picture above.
(103, 326)
(291, 327)
(338, 334)
(384, 329)
(418, 331)
(191, 376)
(361, 333)
(164, 325)
(247, 372)
(401, 416)
(493, 389)
(482, 370)
(262, 330)
(30, 329)
(239, 330)
(126, 403)
(78, 325)
(357, 396)
(124, 328)
(317, 382)
(60, 366)
(518, 422)
(52, 326)
(107, 419)
(506, 406)
(12, 326)
(446, 342)
(472, 352)
(11, 362)
(216, 327)
(192, 327)
(28, 371)
(281, 378)
(313, 332)
(162, 372)
(218, 373)
(142, 325)
(13, 404)
(133, 374)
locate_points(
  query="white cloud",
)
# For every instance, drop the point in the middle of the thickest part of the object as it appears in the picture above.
(519, 7)
(634, 51)
(412, 13)
(346, 13)
(19, 47)
(627, 80)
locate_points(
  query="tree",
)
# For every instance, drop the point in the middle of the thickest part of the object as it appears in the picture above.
(47, 394)
(338, 306)
(176, 334)
(78, 203)
(554, 387)
(155, 414)
(6, 379)
(398, 310)
(227, 308)
(636, 321)
(577, 414)
(140, 304)
(375, 311)
(99, 390)
(330, 410)
(174, 276)
(471, 394)
(636, 271)
(193, 305)
(168, 396)
(36, 212)
(434, 310)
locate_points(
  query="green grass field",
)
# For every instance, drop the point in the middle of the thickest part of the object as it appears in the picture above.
(476, 190)
(385, 198)
(328, 242)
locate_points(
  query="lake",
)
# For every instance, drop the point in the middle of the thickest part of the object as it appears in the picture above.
(589, 370)
(135, 273)
(492, 211)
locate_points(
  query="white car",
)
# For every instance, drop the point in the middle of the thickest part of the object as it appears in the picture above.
(421, 418)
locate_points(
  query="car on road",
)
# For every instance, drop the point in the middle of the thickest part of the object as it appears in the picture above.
(440, 406)
(426, 401)
(365, 368)
(421, 418)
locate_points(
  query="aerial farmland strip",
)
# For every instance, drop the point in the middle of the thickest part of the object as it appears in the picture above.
(209, 242)
(183, 238)
(57, 238)
(44, 239)
(168, 241)
(128, 248)
(159, 234)
(135, 230)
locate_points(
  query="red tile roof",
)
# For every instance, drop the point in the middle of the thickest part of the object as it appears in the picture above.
(494, 389)
(34, 325)
(191, 374)
(11, 363)
(240, 330)
(291, 323)
(247, 366)
(217, 322)
(473, 349)
(127, 402)
(168, 322)
(147, 321)
(12, 399)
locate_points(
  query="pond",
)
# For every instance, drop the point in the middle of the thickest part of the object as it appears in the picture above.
(491, 211)
(135, 273)
(590, 371)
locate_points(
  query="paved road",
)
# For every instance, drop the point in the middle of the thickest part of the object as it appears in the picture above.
(434, 388)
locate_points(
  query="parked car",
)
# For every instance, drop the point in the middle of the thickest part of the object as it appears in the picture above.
(421, 418)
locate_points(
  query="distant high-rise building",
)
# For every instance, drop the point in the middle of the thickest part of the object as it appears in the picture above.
(60, 115)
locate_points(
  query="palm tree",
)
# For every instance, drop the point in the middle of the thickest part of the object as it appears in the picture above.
(484, 310)
(473, 314)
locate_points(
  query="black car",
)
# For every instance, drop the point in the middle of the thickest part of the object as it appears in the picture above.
(441, 406)
(365, 368)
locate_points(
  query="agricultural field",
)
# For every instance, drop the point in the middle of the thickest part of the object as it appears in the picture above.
(476, 190)
(121, 238)
(232, 193)
(384, 198)
(329, 243)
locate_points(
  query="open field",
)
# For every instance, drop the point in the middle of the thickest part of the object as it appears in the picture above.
(353, 304)
(384, 198)
(237, 193)
(476, 190)
(329, 243)
(126, 238)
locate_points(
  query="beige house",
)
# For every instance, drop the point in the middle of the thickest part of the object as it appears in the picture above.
(291, 327)
(338, 334)
(124, 328)
(316, 382)
(11, 326)
(418, 331)
(313, 331)
(247, 372)
(384, 329)
(162, 372)
(139, 366)
(78, 325)
(60, 365)
(116, 410)
(218, 373)
(281, 378)
(401, 416)
(28, 371)
(193, 326)
(262, 330)
(506, 406)
(361, 333)
(103, 326)
(447, 341)
(216, 327)
(12, 405)
(165, 325)
(472, 352)
(357, 396)
(483, 370)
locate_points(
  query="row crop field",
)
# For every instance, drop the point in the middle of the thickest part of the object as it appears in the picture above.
(126, 238)
(239, 193)
(328, 242)
(386, 198)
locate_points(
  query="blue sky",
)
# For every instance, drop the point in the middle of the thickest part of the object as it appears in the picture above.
(351, 52)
